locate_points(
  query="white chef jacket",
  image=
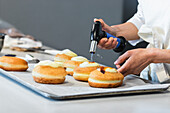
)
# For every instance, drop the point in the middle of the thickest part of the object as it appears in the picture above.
(153, 21)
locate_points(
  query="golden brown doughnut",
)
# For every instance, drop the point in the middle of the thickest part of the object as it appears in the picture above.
(106, 77)
(70, 65)
(48, 72)
(83, 71)
(13, 63)
(73, 63)
(64, 56)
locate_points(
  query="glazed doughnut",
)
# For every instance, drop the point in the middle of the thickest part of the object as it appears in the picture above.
(105, 77)
(64, 56)
(74, 62)
(13, 63)
(48, 72)
(83, 71)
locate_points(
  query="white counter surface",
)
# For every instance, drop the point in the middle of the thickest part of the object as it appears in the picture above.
(15, 98)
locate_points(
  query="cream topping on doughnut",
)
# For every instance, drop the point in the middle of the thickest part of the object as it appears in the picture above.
(46, 76)
(80, 74)
(69, 69)
(5, 64)
(108, 69)
(61, 60)
(79, 59)
(103, 81)
(12, 65)
(50, 63)
(68, 52)
(89, 64)
(112, 70)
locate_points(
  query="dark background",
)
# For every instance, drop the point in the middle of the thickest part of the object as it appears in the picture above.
(67, 23)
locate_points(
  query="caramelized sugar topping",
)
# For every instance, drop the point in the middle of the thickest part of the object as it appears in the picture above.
(102, 70)
(91, 62)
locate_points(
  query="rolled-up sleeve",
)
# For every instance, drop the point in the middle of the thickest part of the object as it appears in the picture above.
(138, 19)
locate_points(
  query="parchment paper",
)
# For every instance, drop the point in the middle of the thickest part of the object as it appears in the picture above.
(72, 88)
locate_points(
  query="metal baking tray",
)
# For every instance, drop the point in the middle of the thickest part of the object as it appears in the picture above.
(73, 89)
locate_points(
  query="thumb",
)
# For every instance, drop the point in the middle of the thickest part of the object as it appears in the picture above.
(105, 27)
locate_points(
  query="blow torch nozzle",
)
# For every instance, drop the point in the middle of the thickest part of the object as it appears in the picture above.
(93, 46)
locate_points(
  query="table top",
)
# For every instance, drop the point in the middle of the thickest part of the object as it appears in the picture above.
(15, 98)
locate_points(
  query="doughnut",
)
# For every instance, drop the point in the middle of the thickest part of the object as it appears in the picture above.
(48, 72)
(105, 77)
(83, 71)
(13, 63)
(74, 62)
(64, 56)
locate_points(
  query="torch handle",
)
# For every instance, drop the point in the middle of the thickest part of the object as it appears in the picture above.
(118, 40)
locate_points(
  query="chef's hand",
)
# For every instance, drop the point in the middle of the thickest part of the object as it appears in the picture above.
(135, 61)
(14, 33)
(105, 43)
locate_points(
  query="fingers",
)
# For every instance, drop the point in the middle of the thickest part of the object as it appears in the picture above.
(111, 43)
(107, 43)
(129, 67)
(118, 66)
(124, 69)
(105, 27)
(100, 20)
(135, 61)
(122, 58)
(102, 43)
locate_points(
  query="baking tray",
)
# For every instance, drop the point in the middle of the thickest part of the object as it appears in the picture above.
(73, 89)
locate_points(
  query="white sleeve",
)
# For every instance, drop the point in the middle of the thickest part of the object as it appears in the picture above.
(138, 19)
